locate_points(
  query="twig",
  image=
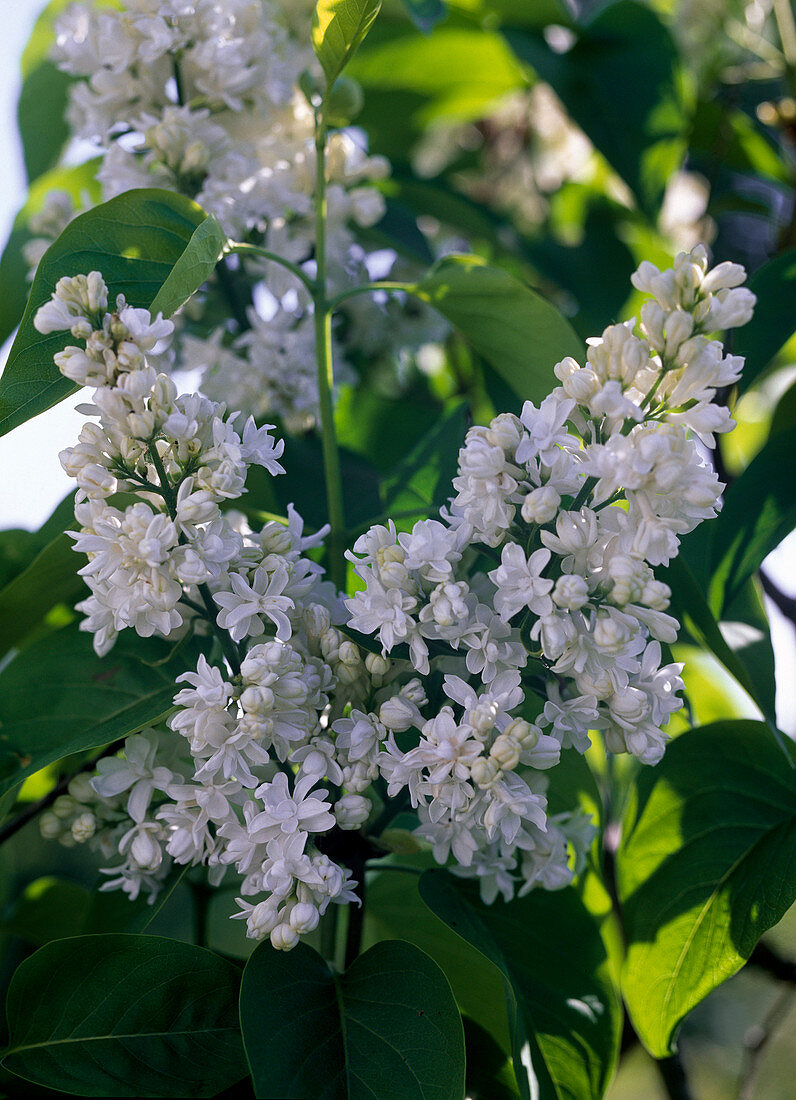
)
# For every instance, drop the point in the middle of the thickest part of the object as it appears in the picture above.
(756, 1040)
(785, 603)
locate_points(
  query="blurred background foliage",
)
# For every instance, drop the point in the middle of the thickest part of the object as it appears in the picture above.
(564, 142)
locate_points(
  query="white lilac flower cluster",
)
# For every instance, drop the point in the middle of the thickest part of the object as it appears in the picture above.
(201, 97)
(543, 565)
(250, 773)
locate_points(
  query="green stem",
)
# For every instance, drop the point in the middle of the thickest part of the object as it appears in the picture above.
(265, 254)
(368, 288)
(329, 934)
(325, 360)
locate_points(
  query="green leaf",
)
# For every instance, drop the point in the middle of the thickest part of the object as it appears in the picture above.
(381, 429)
(723, 136)
(515, 329)
(387, 1027)
(19, 548)
(194, 267)
(773, 322)
(620, 84)
(759, 511)
(302, 486)
(425, 14)
(453, 75)
(489, 1073)
(338, 28)
(691, 608)
(122, 1015)
(81, 701)
(707, 864)
(420, 485)
(135, 240)
(396, 910)
(601, 248)
(80, 184)
(50, 579)
(48, 909)
(563, 1008)
(785, 412)
(43, 97)
(40, 115)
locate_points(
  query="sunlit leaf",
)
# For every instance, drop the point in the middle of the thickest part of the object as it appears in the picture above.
(707, 864)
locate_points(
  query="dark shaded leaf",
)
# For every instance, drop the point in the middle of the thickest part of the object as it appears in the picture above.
(774, 320)
(620, 84)
(122, 1015)
(81, 701)
(387, 1027)
(563, 1010)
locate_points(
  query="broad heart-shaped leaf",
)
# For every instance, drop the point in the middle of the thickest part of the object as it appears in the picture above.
(563, 1009)
(80, 184)
(388, 1027)
(57, 697)
(773, 322)
(338, 28)
(395, 909)
(707, 864)
(123, 1015)
(515, 329)
(135, 241)
(620, 83)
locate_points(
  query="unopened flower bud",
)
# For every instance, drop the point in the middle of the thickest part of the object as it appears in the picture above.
(65, 807)
(84, 827)
(349, 654)
(541, 505)
(571, 591)
(506, 752)
(50, 825)
(485, 772)
(317, 620)
(352, 810)
(263, 918)
(80, 788)
(344, 101)
(145, 851)
(275, 539)
(525, 734)
(656, 595)
(377, 665)
(283, 937)
(304, 917)
(398, 714)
